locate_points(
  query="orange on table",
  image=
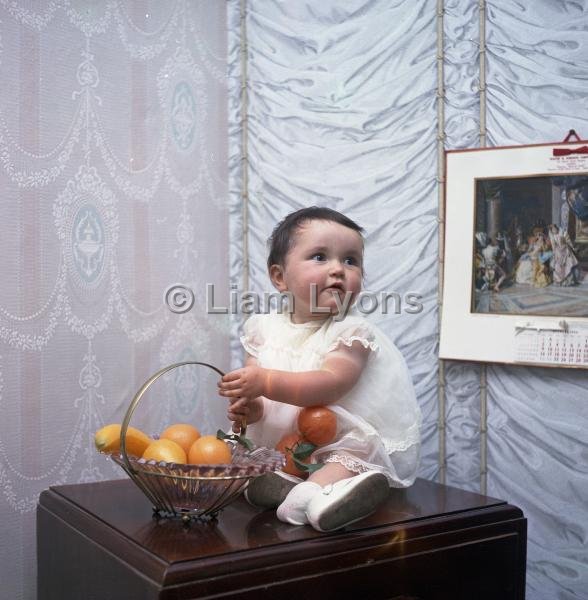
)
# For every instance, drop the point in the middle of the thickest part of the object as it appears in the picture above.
(183, 434)
(287, 446)
(166, 451)
(209, 450)
(318, 424)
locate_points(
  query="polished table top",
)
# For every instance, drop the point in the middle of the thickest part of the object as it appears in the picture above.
(101, 540)
(128, 514)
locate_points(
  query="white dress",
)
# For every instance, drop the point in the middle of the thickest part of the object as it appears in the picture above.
(378, 421)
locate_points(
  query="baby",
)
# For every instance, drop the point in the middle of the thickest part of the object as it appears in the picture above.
(323, 352)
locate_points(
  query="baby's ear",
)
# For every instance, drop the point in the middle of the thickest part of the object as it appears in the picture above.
(276, 273)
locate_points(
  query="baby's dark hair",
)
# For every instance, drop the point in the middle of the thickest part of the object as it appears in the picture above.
(282, 236)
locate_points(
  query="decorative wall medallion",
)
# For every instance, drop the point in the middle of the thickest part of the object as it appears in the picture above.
(87, 244)
(182, 96)
(87, 226)
(183, 115)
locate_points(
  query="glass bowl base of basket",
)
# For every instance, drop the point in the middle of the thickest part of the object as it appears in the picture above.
(198, 491)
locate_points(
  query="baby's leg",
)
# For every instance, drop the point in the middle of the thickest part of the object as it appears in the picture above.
(330, 473)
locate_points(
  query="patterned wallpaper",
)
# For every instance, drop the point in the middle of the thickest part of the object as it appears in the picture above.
(113, 171)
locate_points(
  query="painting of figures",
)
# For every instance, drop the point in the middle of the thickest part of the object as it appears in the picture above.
(530, 246)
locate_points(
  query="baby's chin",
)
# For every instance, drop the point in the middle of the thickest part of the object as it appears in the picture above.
(337, 311)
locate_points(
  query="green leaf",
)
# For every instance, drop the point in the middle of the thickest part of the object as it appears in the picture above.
(245, 442)
(308, 468)
(240, 439)
(303, 450)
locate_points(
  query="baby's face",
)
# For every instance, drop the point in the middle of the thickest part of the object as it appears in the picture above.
(323, 270)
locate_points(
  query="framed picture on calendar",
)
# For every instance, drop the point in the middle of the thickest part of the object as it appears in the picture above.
(515, 248)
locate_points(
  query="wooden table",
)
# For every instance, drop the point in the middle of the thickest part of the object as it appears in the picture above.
(99, 540)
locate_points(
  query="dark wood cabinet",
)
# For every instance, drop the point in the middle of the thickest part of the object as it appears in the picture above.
(428, 542)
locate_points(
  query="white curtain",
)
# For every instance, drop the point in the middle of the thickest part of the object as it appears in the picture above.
(113, 171)
(342, 112)
(538, 418)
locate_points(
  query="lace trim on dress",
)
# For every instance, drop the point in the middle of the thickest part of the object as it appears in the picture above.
(347, 341)
(348, 462)
(412, 437)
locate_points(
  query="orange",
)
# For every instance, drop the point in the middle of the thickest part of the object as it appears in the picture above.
(166, 451)
(107, 439)
(287, 446)
(181, 433)
(318, 424)
(209, 450)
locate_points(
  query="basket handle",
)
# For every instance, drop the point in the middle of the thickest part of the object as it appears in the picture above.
(135, 401)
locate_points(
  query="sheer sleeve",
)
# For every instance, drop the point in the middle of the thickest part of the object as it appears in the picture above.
(253, 338)
(346, 333)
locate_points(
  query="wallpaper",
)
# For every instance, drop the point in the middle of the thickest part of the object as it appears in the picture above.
(113, 171)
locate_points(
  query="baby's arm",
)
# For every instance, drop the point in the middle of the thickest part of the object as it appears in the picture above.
(250, 409)
(338, 374)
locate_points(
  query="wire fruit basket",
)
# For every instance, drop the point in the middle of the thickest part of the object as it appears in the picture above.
(193, 491)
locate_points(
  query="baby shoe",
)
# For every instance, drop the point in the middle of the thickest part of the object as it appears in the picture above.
(346, 501)
(270, 489)
(293, 509)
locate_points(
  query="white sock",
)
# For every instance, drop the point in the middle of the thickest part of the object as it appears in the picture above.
(293, 508)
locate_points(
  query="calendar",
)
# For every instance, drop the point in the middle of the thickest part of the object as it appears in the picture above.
(558, 343)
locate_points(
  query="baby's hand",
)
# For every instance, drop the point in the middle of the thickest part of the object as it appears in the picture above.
(248, 381)
(238, 412)
(244, 410)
